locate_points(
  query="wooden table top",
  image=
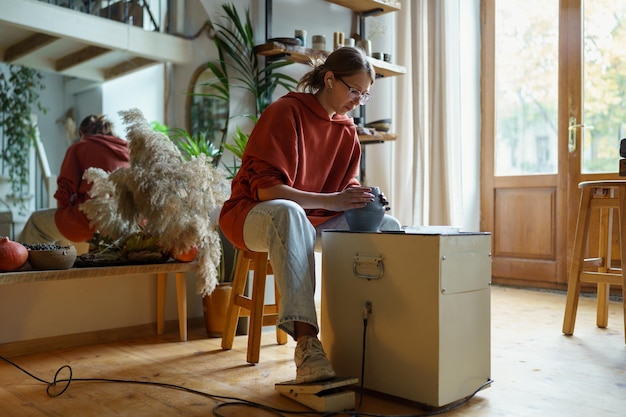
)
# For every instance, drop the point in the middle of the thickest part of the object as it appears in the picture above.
(93, 272)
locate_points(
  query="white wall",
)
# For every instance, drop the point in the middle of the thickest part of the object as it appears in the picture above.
(50, 124)
(142, 89)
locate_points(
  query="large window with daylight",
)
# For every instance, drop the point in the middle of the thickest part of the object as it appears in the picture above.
(604, 84)
(526, 87)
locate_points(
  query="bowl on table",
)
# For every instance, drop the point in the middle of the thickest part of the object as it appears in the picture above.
(45, 256)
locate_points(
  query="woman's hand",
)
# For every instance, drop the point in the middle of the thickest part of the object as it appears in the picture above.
(350, 198)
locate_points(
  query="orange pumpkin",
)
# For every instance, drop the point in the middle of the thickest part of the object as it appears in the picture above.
(13, 255)
(188, 256)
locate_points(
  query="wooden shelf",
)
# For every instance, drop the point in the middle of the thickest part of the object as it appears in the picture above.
(386, 69)
(363, 6)
(303, 55)
(377, 137)
(293, 53)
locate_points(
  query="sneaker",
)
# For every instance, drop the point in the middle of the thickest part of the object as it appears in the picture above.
(311, 362)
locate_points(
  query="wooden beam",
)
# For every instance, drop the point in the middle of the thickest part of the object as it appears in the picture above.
(79, 57)
(27, 46)
(130, 65)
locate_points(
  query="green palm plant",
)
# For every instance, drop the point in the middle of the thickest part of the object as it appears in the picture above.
(238, 66)
(194, 145)
(235, 42)
(240, 140)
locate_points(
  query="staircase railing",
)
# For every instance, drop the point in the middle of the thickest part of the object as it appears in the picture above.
(126, 11)
(46, 183)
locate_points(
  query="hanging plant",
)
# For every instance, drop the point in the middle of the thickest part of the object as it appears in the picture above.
(19, 93)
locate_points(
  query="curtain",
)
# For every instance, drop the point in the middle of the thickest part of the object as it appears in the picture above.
(430, 171)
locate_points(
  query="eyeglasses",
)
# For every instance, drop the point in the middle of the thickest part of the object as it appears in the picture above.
(354, 94)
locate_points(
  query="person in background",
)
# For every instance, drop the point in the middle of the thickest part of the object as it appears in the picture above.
(97, 147)
(298, 175)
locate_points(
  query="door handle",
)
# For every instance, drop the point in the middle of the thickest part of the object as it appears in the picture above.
(573, 126)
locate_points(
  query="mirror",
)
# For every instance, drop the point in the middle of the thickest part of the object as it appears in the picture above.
(207, 115)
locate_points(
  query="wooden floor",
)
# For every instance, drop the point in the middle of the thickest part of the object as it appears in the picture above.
(536, 371)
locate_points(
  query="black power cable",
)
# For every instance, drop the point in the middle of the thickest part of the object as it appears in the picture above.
(233, 401)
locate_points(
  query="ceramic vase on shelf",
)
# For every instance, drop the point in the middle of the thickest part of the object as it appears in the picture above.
(368, 218)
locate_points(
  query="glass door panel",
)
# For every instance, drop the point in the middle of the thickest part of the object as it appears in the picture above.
(604, 86)
(526, 87)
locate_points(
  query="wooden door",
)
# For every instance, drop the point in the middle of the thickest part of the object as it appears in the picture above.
(537, 145)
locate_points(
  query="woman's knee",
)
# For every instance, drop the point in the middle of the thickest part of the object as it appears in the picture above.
(276, 220)
(291, 215)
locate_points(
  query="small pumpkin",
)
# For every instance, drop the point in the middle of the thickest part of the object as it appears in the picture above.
(188, 256)
(13, 255)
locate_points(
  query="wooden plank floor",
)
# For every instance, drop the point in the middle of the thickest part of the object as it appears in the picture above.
(536, 371)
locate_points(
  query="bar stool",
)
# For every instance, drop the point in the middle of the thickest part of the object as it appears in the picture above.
(606, 196)
(254, 306)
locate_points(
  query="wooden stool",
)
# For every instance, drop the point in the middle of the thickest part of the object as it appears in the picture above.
(606, 196)
(260, 314)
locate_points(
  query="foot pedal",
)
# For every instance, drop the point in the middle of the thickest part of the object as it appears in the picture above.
(329, 395)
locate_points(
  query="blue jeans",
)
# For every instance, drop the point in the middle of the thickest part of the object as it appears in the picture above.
(281, 228)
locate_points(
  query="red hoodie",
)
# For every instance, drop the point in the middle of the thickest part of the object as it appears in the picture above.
(297, 144)
(97, 151)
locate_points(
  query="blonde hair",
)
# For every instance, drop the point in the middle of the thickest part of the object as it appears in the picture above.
(343, 62)
(96, 125)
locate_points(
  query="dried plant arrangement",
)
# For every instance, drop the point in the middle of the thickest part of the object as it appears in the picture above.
(162, 195)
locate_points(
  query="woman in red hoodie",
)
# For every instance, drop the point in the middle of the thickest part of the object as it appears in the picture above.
(97, 147)
(298, 175)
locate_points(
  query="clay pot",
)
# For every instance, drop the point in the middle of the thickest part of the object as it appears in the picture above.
(214, 307)
(368, 218)
(52, 258)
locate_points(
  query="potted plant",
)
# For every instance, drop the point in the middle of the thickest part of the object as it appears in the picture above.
(19, 93)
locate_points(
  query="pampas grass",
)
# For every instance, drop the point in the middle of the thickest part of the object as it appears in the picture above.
(170, 197)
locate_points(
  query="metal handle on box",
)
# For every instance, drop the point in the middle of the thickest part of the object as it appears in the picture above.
(368, 260)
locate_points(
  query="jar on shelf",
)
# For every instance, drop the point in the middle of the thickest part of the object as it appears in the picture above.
(366, 46)
(318, 42)
(301, 35)
(338, 40)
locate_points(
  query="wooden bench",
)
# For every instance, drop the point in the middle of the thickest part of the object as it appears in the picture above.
(161, 270)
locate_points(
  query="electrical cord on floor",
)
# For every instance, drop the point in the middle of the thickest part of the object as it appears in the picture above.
(234, 401)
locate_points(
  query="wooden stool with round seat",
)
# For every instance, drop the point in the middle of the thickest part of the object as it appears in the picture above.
(610, 198)
(254, 306)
